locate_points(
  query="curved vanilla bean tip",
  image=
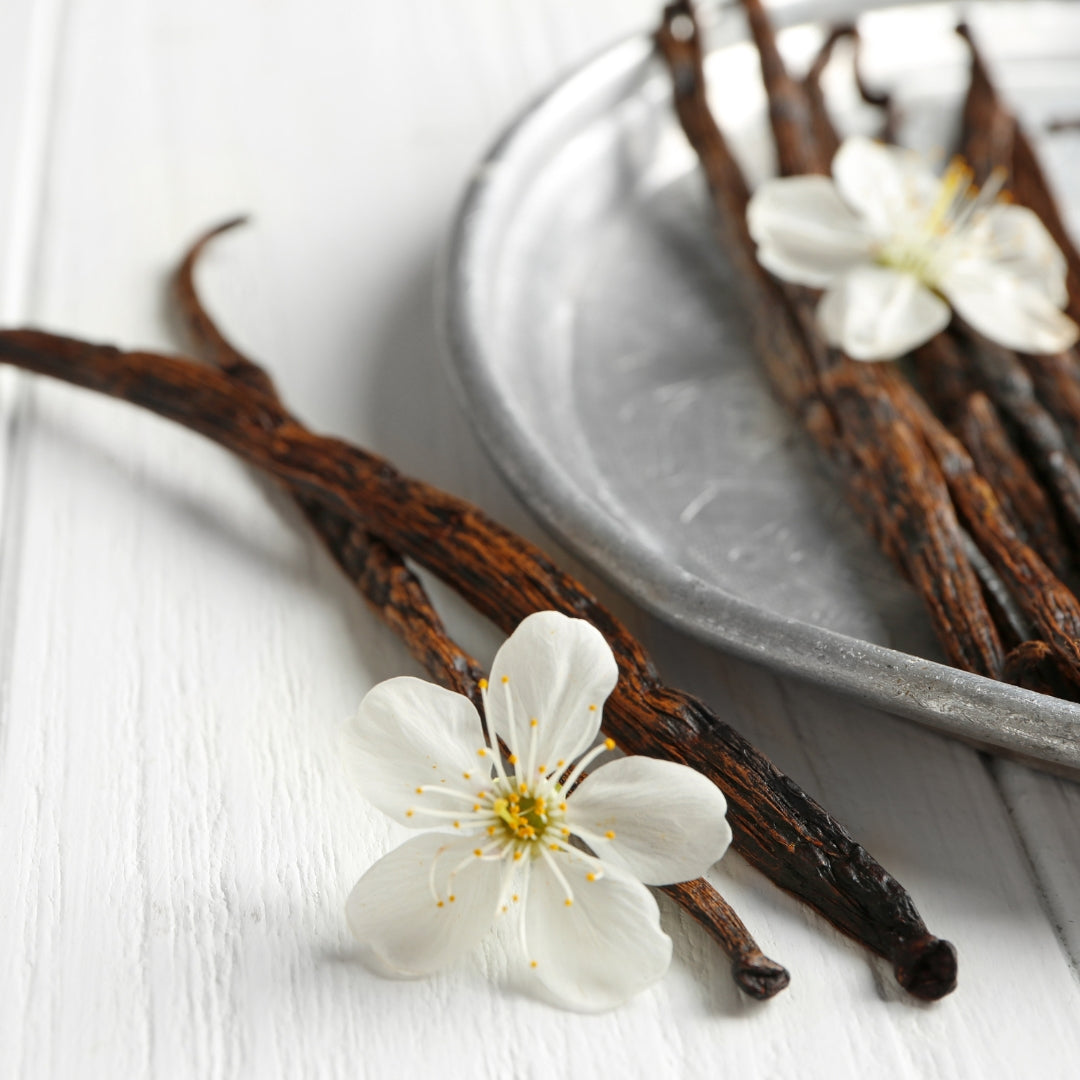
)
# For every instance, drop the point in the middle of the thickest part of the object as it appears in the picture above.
(217, 230)
(926, 967)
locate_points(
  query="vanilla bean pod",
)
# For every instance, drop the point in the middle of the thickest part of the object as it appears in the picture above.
(945, 378)
(978, 426)
(1052, 609)
(1044, 599)
(1000, 373)
(1056, 380)
(897, 489)
(776, 826)
(1035, 666)
(399, 598)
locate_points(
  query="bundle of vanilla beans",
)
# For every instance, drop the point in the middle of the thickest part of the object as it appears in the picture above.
(989, 450)
(982, 446)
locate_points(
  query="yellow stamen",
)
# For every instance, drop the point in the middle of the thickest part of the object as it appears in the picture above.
(609, 835)
(512, 759)
(590, 876)
(478, 852)
(533, 722)
(483, 684)
(568, 902)
(609, 744)
(505, 679)
(451, 898)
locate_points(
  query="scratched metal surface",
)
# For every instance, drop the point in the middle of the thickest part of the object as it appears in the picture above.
(597, 340)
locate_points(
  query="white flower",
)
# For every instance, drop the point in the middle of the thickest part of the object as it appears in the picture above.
(887, 240)
(591, 929)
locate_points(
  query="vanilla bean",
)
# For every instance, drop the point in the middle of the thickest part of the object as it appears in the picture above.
(1045, 601)
(777, 827)
(396, 594)
(789, 107)
(889, 476)
(824, 131)
(946, 381)
(980, 429)
(1035, 666)
(1005, 380)
(1057, 385)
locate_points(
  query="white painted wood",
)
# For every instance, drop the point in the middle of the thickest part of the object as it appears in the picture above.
(177, 832)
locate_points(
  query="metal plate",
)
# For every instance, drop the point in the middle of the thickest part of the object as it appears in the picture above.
(601, 351)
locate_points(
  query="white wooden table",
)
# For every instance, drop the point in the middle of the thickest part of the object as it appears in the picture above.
(177, 832)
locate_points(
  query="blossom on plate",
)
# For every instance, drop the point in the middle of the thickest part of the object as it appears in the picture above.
(890, 243)
(511, 834)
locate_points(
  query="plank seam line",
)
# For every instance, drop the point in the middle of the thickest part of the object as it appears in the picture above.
(1073, 962)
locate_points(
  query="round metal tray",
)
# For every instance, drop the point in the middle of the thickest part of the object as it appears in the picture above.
(602, 354)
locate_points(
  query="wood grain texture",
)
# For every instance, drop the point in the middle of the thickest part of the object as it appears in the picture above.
(178, 832)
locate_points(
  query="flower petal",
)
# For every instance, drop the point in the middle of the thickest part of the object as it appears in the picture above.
(803, 230)
(666, 821)
(888, 187)
(1012, 312)
(409, 734)
(1014, 239)
(604, 947)
(557, 671)
(393, 911)
(874, 313)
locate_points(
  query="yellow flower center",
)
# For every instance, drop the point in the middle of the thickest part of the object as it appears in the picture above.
(917, 250)
(524, 814)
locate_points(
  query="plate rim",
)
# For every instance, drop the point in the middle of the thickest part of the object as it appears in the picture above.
(993, 715)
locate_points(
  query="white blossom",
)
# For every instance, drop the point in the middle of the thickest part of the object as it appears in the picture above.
(894, 246)
(510, 836)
